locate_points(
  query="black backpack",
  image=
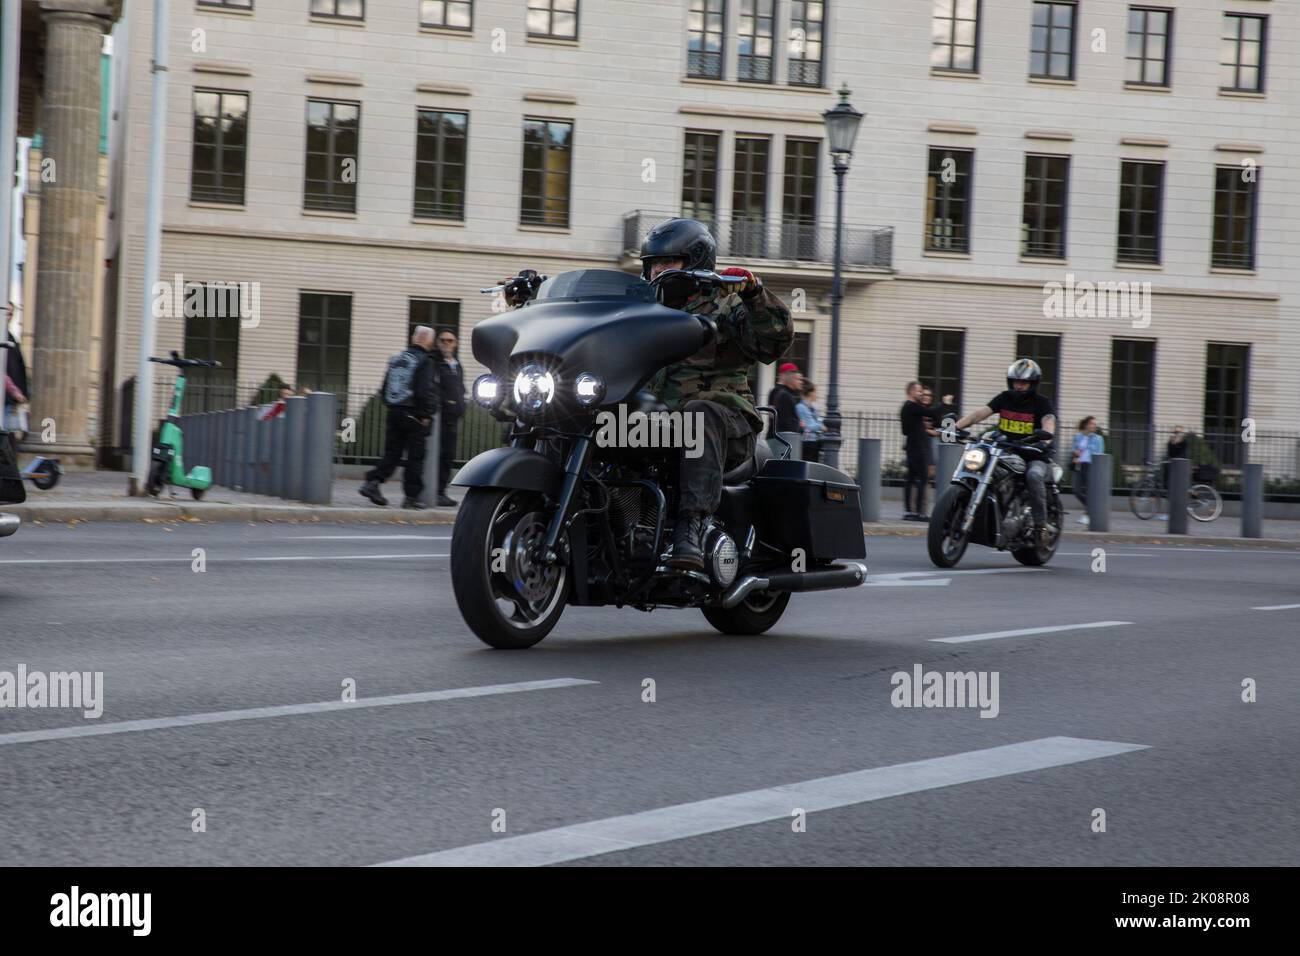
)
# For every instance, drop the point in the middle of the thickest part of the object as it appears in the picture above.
(399, 383)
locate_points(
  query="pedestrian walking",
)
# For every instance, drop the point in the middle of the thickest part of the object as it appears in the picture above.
(810, 422)
(451, 391)
(1087, 442)
(409, 392)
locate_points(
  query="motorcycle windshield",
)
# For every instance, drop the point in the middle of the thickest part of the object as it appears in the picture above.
(590, 320)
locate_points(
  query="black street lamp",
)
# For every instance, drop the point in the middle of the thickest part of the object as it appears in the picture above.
(841, 130)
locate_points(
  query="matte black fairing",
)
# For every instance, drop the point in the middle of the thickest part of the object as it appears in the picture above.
(590, 320)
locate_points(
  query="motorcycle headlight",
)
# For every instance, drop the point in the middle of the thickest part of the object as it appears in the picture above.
(534, 389)
(487, 390)
(973, 459)
(589, 388)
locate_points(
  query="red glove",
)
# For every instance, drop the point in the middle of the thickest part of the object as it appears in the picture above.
(751, 284)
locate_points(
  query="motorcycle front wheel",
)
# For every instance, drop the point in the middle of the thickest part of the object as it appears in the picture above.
(509, 597)
(945, 540)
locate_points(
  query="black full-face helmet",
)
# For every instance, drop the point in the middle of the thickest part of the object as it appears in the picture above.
(1024, 370)
(684, 239)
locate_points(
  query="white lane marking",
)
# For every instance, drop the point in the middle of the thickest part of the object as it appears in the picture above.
(92, 729)
(1276, 607)
(617, 834)
(365, 537)
(1109, 554)
(216, 559)
(996, 635)
(913, 579)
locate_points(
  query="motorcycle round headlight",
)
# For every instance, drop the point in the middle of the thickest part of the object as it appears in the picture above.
(589, 388)
(534, 389)
(487, 390)
(974, 458)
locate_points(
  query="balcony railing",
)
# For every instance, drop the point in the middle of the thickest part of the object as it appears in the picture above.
(740, 237)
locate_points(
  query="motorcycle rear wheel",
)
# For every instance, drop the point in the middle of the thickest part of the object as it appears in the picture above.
(946, 519)
(754, 615)
(514, 608)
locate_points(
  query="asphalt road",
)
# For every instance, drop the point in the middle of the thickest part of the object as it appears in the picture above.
(1142, 718)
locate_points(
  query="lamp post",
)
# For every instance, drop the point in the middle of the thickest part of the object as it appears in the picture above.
(841, 131)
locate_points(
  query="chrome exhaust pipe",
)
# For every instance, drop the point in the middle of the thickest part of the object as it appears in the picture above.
(740, 590)
(850, 574)
(9, 524)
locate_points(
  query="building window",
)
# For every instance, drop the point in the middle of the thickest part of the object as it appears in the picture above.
(955, 35)
(939, 362)
(799, 199)
(333, 134)
(450, 14)
(214, 334)
(754, 36)
(1051, 47)
(220, 147)
(324, 341)
(948, 200)
(343, 9)
(1132, 372)
(700, 177)
(1149, 35)
(1235, 200)
(705, 32)
(1047, 183)
(440, 157)
(1242, 66)
(436, 314)
(557, 19)
(1141, 196)
(807, 34)
(548, 163)
(1046, 351)
(1227, 383)
(749, 197)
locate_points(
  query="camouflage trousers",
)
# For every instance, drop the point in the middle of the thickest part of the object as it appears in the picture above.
(728, 440)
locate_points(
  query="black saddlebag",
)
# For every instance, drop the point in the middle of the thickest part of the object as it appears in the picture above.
(808, 505)
(12, 490)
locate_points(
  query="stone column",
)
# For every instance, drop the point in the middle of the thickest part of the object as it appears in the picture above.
(66, 264)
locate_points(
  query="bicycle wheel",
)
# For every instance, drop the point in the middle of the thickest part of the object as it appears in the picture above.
(1203, 503)
(1144, 500)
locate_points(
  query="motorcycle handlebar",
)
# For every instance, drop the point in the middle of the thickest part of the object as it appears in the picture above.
(178, 362)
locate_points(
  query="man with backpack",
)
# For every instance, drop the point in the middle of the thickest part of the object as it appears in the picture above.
(410, 393)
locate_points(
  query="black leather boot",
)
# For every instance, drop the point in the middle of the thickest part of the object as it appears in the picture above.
(688, 543)
(371, 490)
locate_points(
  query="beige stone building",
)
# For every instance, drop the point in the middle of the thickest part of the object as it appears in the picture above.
(371, 162)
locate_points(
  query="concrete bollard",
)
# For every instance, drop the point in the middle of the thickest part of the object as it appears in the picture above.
(278, 435)
(1100, 477)
(262, 484)
(1180, 474)
(432, 449)
(248, 446)
(949, 456)
(295, 427)
(869, 478)
(318, 449)
(1252, 501)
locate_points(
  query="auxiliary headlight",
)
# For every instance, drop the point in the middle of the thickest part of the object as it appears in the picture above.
(534, 389)
(974, 458)
(487, 390)
(589, 388)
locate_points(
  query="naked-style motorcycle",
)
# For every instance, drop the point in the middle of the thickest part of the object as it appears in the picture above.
(988, 502)
(564, 516)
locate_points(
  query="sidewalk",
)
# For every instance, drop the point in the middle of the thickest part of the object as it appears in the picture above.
(101, 496)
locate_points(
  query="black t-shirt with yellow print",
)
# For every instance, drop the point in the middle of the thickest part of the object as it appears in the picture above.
(1020, 414)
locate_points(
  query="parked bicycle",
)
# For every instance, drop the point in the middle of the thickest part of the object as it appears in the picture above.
(1203, 500)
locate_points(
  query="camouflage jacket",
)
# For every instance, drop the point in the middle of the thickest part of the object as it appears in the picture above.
(748, 332)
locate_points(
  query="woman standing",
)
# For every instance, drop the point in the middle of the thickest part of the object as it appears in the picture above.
(810, 424)
(1086, 444)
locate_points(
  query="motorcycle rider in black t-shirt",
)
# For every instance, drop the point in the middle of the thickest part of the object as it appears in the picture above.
(1021, 412)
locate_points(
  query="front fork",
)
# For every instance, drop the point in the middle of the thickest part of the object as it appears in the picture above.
(573, 470)
(977, 498)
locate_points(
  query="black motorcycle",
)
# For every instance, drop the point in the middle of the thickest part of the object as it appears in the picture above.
(988, 502)
(564, 516)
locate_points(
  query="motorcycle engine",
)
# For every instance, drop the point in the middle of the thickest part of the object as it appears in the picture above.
(723, 560)
(1015, 522)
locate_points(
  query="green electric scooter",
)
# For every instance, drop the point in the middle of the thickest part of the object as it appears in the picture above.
(168, 467)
